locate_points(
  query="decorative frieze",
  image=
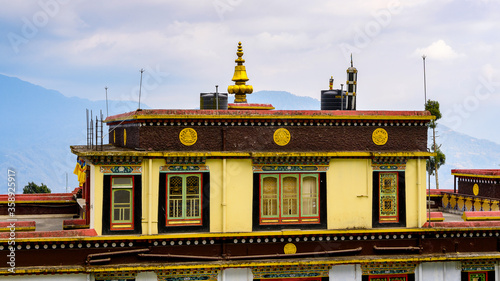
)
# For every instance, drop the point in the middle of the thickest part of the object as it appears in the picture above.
(388, 268)
(389, 163)
(184, 168)
(289, 161)
(290, 168)
(114, 275)
(187, 274)
(121, 169)
(289, 271)
(115, 160)
(478, 265)
(185, 161)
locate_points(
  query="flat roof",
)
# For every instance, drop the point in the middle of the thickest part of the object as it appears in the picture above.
(111, 150)
(477, 173)
(274, 114)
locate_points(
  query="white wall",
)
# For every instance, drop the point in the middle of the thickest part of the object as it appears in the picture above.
(349, 272)
(438, 271)
(146, 276)
(236, 274)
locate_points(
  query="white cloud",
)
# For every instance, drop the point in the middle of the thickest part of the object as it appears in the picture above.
(439, 50)
(289, 45)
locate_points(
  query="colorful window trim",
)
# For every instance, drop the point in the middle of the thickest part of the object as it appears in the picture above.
(392, 277)
(289, 198)
(184, 193)
(122, 203)
(293, 279)
(388, 197)
(482, 275)
(477, 276)
(388, 201)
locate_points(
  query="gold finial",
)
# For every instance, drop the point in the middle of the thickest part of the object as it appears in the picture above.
(240, 89)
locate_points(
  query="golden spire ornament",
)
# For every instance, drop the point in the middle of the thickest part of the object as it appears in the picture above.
(240, 89)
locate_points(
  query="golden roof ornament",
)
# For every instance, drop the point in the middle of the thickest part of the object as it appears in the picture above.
(240, 89)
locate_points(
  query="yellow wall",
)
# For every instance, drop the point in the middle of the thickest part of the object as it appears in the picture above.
(349, 200)
(415, 193)
(150, 178)
(237, 179)
(349, 194)
(96, 207)
(215, 166)
(239, 195)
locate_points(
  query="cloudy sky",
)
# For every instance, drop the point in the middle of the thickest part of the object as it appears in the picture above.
(186, 47)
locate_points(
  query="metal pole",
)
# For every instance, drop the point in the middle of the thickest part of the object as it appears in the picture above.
(140, 88)
(107, 112)
(341, 96)
(425, 82)
(217, 97)
(429, 204)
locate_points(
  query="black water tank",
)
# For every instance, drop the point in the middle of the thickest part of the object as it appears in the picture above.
(208, 101)
(332, 100)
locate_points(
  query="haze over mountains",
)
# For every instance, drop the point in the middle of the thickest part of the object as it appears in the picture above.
(38, 126)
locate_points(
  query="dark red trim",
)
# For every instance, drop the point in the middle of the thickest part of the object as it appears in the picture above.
(477, 172)
(161, 113)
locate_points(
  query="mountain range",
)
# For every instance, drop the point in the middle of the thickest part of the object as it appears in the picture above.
(38, 126)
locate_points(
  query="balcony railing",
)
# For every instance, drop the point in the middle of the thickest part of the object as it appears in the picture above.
(456, 202)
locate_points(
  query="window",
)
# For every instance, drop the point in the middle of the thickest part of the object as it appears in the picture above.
(184, 194)
(122, 207)
(122, 204)
(478, 276)
(183, 202)
(289, 198)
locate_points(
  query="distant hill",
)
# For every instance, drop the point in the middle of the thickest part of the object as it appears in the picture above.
(38, 126)
(41, 124)
(463, 152)
(284, 100)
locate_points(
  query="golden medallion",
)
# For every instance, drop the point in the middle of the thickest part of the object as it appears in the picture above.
(281, 136)
(188, 136)
(475, 189)
(290, 249)
(380, 136)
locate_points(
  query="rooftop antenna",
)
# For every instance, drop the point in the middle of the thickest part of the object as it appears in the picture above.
(140, 87)
(107, 112)
(425, 83)
(429, 183)
(342, 96)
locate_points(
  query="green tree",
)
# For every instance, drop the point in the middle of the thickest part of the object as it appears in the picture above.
(34, 188)
(437, 161)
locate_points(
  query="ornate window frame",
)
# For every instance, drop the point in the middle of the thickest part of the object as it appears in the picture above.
(288, 209)
(184, 168)
(289, 167)
(119, 219)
